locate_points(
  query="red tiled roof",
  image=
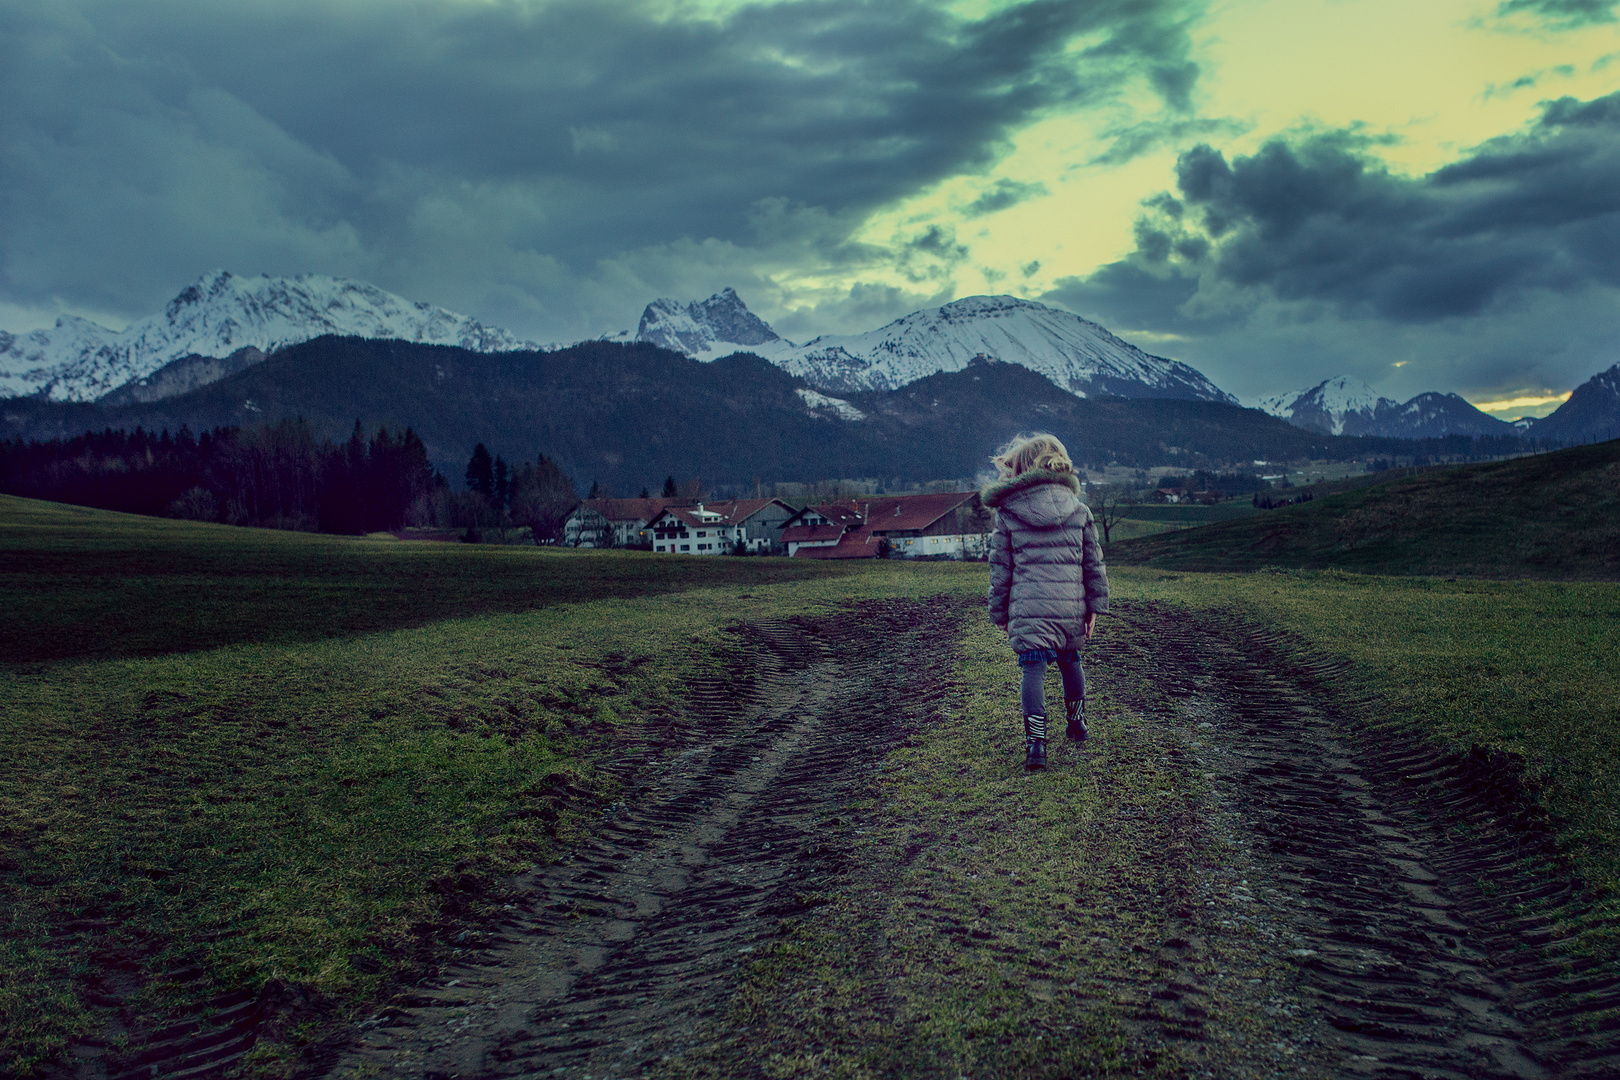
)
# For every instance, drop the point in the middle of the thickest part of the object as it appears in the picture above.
(855, 544)
(640, 510)
(897, 513)
(810, 534)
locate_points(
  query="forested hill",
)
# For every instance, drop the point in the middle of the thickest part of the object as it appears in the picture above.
(1554, 515)
(628, 415)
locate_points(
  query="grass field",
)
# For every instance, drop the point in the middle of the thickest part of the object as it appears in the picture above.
(221, 764)
(1150, 519)
(1553, 515)
(80, 583)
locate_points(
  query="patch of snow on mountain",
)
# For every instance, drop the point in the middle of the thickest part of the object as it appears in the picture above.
(1077, 355)
(1348, 406)
(1329, 404)
(1348, 395)
(217, 315)
(708, 329)
(1281, 405)
(1074, 353)
(842, 408)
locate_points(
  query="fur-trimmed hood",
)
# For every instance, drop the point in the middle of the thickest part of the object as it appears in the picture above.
(998, 492)
(1046, 569)
(1041, 497)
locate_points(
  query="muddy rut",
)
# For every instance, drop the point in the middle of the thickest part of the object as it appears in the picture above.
(1415, 896)
(619, 955)
(1418, 891)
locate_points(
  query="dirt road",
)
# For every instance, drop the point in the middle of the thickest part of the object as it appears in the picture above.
(1378, 911)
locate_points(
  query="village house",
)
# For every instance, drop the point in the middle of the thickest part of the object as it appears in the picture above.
(720, 528)
(951, 525)
(614, 522)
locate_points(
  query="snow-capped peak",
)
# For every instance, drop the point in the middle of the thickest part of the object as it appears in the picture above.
(217, 315)
(1074, 353)
(1347, 406)
(706, 329)
(1336, 396)
(1077, 355)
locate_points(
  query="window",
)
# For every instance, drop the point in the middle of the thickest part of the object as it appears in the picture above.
(686, 547)
(660, 547)
(702, 533)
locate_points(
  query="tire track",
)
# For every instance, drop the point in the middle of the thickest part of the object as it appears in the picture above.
(1422, 895)
(615, 959)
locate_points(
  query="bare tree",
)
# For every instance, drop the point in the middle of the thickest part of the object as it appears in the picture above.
(542, 499)
(1108, 502)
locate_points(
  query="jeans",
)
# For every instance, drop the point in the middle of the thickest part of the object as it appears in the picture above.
(1033, 691)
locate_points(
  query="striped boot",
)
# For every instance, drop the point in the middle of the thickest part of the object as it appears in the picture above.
(1035, 742)
(1075, 713)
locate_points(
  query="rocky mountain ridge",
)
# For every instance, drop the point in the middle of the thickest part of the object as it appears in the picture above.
(218, 316)
(1074, 353)
(1347, 406)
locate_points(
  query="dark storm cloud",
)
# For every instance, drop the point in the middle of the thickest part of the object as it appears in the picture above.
(1563, 14)
(1320, 220)
(143, 143)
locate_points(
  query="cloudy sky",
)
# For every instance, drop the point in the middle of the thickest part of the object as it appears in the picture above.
(1421, 193)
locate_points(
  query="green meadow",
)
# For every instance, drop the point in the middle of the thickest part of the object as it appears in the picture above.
(1150, 519)
(234, 756)
(1554, 515)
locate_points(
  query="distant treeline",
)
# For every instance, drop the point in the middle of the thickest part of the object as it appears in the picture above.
(275, 475)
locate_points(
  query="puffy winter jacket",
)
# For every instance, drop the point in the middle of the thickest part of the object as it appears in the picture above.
(1046, 568)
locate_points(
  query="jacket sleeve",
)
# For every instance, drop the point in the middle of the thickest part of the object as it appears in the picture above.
(1000, 572)
(1093, 573)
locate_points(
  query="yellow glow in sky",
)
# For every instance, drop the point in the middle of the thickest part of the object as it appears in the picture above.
(1434, 77)
(1513, 408)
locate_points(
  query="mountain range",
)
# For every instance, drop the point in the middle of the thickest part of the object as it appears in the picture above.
(224, 324)
(217, 317)
(1348, 406)
(629, 414)
(1074, 353)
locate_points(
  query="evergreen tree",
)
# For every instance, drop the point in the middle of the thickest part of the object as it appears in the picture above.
(503, 485)
(481, 471)
(644, 494)
(669, 487)
(596, 491)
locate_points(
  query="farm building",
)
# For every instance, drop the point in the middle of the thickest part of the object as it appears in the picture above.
(718, 528)
(613, 522)
(952, 525)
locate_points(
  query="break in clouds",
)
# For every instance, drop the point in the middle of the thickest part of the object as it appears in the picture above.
(549, 166)
(1311, 241)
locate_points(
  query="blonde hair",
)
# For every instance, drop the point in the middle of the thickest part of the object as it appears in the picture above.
(1026, 452)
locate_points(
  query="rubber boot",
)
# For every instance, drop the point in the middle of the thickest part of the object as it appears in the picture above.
(1034, 742)
(1075, 712)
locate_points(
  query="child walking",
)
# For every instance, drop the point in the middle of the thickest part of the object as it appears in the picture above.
(1047, 581)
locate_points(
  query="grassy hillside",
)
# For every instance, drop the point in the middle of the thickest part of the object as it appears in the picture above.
(1551, 516)
(79, 583)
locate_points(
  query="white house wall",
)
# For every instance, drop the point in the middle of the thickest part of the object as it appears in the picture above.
(960, 546)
